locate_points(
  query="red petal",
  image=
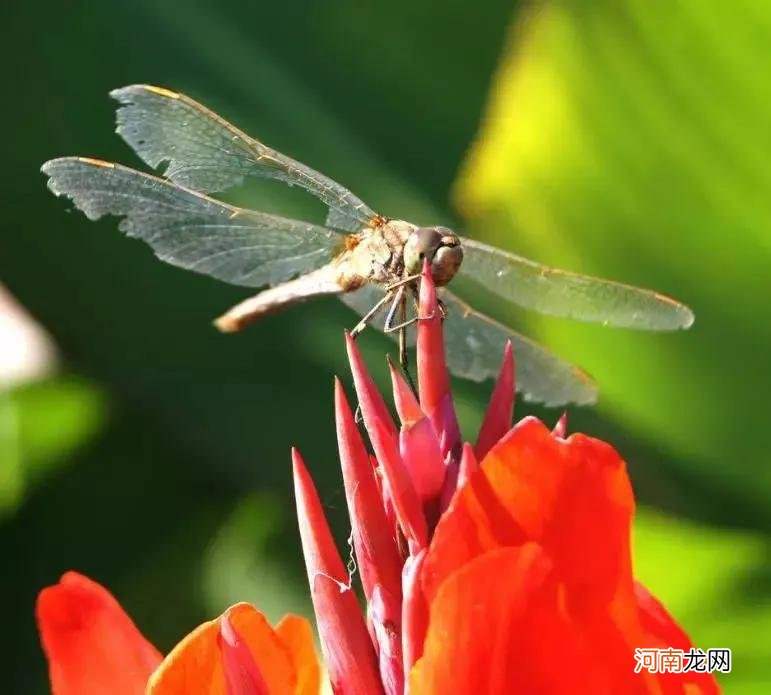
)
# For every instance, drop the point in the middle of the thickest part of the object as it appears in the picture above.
(498, 416)
(661, 631)
(92, 646)
(433, 378)
(574, 498)
(373, 537)
(348, 652)
(496, 626)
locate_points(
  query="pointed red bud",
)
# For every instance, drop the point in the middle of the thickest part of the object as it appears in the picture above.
(468, 464)
(348, 652)
(422, 457)
(406, 404)
(373, 537)
(404, 497)
(561, 428)
(372, 405)
(450, 484)
(433, 378)
(242, 675)
(501, 408)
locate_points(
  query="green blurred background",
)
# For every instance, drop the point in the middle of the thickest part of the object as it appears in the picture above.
(627, 138)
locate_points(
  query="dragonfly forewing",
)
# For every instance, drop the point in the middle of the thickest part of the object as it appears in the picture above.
(204, 152)
(190, 230)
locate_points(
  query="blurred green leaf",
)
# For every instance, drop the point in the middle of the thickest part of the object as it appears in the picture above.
(11, 472)
(631, 140)
(242, 562)
(42, 424)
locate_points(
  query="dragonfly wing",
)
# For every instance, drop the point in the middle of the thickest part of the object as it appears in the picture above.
(562, 293)
(206, 153)
(475, 344)
(191, 230)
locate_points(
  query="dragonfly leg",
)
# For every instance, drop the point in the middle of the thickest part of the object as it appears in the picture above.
(396, 304)
(403, 353)
(390, 328)
(403, 324)
(359, 327)
(403, 281)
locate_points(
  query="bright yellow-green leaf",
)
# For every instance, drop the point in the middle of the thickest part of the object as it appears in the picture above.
(632, 139)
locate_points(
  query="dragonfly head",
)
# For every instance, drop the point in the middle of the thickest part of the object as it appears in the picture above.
(440, 246)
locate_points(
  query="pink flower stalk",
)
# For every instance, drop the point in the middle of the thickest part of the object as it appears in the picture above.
(394, 503)
(479, 565)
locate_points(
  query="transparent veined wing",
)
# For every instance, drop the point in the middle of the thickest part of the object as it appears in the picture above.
(191, 230)
(475, 344)
(204, 152)
(562, 293)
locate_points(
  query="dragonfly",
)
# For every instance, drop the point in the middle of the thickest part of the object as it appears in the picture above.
(372, 262)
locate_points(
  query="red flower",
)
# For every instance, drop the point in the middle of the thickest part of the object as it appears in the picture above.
(93, 648)
(509, 576)
(512, 575)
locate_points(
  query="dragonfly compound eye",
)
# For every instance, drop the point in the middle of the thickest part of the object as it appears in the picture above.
(447, 259)
(439, 246)
(423, 243)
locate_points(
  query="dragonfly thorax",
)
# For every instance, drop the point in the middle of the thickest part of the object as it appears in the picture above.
(440, 246)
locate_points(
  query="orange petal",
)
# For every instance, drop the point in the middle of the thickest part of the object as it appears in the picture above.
(195, 664)
(242, 674)
(296, 634)
(496, 627)
(92, 646)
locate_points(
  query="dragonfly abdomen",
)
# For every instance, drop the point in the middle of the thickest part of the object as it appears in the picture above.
(319, 283)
